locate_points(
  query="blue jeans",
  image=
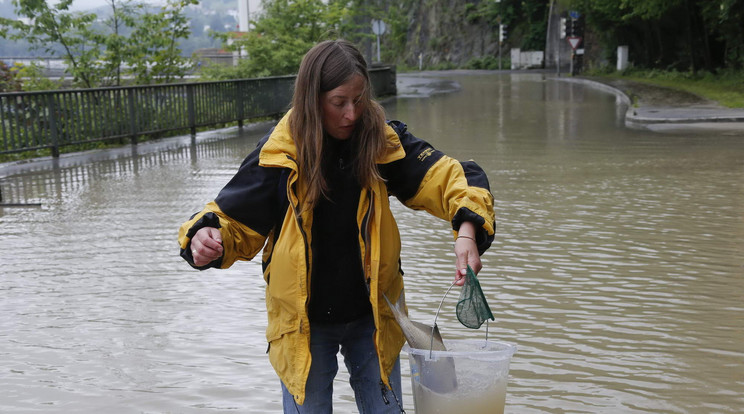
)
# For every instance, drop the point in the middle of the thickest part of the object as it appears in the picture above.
(356, 341)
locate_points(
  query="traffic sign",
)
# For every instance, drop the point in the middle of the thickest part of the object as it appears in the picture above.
(574, 14)
(574, 41)
(378, 27)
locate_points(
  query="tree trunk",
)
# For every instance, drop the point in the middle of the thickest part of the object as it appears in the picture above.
(690, 37)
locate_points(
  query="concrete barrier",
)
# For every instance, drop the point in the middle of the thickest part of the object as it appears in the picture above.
(526, 60)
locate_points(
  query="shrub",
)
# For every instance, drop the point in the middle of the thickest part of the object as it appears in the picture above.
(10, 80)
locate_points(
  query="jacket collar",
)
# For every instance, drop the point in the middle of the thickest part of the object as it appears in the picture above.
(280, 149)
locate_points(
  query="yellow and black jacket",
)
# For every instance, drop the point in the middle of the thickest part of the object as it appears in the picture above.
(259, 208)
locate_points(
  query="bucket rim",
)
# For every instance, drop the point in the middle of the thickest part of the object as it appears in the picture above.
(508, 349)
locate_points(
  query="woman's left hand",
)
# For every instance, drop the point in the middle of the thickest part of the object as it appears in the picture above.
(466, 252)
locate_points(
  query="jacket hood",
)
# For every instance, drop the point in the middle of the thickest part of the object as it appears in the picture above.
(280, 149)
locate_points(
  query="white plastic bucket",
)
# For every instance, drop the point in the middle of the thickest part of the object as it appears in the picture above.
(469, 378)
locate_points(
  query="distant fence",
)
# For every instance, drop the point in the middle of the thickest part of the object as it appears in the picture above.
(53, 119)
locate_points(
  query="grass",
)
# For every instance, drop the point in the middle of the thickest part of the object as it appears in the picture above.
(726, 87)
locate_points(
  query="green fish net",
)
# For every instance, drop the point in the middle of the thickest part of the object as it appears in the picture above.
(472, 308)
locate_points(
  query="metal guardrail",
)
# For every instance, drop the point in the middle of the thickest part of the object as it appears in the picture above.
(53, 119)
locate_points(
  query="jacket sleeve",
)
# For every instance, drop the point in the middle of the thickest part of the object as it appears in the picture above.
(245, 212)
(427, 179)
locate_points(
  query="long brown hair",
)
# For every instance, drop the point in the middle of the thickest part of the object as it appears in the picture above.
(325, 67)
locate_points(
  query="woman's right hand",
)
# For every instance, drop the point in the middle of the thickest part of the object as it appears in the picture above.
(206, 245)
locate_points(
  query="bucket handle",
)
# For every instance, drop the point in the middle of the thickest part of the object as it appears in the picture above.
(433, 328)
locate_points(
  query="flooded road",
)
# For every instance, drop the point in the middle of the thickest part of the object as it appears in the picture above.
(617, 269)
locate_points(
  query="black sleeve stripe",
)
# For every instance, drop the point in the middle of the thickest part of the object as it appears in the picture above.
(403, 177)
(250, 197)
(475, 175)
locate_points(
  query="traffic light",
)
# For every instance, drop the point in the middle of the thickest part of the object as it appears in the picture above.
(577, 26)
(563, 28)
(502, 32)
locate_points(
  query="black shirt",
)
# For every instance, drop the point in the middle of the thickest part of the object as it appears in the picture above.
(338, 292)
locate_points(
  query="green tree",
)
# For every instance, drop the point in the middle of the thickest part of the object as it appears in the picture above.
(670, 34)
(726, 16)
(280, 36)
(153, 53)
(116, 42)
(47, 26)
(96, 57)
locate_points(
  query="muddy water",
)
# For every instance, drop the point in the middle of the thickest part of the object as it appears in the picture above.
(617, 270)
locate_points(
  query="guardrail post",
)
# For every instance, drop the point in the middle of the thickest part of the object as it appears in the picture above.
(393, 76)
(239, 99)
(53, 125)
(132, 115)
(191, 110)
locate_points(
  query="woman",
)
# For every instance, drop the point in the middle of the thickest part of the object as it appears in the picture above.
(314, 196)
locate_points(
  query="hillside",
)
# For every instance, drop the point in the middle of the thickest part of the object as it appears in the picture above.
(447, 31)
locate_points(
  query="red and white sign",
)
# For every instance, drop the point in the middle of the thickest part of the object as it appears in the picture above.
(574, 41)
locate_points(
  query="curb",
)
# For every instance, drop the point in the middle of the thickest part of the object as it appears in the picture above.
(636, 121)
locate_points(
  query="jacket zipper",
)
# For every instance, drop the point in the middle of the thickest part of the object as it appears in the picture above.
(298, 217)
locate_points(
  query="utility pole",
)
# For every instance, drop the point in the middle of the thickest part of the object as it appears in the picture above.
(502, 38)
(502, 32)
(243, 25)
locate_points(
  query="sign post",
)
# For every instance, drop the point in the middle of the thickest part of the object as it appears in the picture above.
(574, 41)
(378, 28)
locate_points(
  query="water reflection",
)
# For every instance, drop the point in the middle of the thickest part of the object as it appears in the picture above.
(617, 266)
(48, 181)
